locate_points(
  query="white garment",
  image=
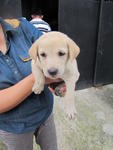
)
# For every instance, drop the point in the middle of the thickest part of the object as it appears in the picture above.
(41, 25)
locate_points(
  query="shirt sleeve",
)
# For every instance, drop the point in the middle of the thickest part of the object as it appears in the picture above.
(32, 32)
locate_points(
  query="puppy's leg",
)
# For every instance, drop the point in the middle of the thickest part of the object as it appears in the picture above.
(70, 79)
(69, 98)
(38, 86)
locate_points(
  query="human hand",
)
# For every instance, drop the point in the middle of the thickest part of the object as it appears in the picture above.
(56, 86)
(50, 81)
(47, 80)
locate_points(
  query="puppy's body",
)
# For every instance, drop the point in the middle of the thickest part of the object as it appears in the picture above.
(53, 55)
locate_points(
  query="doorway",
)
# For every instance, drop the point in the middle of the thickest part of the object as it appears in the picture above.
(49, 8)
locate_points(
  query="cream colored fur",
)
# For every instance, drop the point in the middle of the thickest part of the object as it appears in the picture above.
(56, 51)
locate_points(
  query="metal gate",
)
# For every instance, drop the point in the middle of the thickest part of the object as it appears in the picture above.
(104, 54)
(10, 8)
(90, 24)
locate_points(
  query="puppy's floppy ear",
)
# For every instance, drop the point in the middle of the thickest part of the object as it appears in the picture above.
(74, 50)
(33, 51)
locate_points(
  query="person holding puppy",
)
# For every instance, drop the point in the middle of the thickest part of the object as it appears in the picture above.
(22, 113)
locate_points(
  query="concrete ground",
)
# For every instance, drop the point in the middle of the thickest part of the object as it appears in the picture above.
(93, 127)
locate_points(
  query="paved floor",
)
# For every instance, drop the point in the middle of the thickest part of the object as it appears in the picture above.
(93, 127)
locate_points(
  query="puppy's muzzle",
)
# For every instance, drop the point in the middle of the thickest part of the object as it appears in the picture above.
(52, 72)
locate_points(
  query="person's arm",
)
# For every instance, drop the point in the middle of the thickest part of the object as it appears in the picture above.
(14, 95)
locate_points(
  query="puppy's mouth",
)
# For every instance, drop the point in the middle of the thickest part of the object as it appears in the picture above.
(51, 76)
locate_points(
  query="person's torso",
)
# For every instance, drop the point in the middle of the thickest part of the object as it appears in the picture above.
(14, 66)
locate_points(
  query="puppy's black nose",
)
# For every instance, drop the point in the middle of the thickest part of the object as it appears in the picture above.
(53, 71)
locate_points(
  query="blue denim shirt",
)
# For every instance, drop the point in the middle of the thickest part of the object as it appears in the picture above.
(33, 111)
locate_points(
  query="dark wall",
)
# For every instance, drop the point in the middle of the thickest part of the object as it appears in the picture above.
(10, 8)
(79, 19)
(104, 58)
(89, 23)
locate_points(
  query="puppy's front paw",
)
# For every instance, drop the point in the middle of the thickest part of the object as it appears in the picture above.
(71, 112)
(38, 88)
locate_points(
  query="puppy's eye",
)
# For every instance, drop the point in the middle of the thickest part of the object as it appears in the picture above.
(43, 54)
(61, 53)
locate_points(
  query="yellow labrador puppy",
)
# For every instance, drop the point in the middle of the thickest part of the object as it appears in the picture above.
(54, 56)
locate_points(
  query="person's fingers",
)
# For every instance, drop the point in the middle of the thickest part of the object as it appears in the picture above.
(52, 90)
(49, 81)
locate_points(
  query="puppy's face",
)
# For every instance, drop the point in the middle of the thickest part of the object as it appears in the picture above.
(53, 56)
(53, 50)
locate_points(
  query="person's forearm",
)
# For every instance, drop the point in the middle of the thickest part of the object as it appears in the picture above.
(14, 95)
(11, 97)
